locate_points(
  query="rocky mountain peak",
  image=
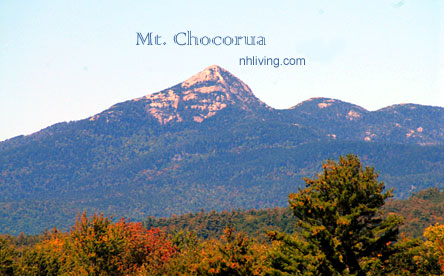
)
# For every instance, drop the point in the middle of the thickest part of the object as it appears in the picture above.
(213, 73)
(201, 97)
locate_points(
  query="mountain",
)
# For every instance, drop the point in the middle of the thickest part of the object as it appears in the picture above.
(403, 123)
(333, 118)
(209, 143)
(194, 100)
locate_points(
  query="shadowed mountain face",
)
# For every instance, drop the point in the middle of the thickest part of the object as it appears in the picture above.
(207, 142)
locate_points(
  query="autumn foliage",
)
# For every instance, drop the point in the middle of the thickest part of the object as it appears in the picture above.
(97, 246)
(340, 229)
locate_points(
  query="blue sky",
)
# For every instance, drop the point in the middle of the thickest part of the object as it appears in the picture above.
(67, 60)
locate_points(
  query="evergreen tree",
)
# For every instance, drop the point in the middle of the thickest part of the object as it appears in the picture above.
(342, 228)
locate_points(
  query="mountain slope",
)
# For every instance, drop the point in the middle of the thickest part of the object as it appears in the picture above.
(209, 143)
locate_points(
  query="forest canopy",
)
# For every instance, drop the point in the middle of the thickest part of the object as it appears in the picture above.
(336, 225)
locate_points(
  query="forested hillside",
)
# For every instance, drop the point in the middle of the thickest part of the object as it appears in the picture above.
(339, 212)
(419, 211)
(253, 222)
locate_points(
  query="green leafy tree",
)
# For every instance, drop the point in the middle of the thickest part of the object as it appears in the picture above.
(8, 256)
(342, 228)
(94, 246)
(412, 257)
(44, 258)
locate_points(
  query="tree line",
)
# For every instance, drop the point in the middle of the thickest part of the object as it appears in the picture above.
(340, 227)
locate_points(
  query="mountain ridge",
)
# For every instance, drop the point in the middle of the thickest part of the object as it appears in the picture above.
(214, 74)
(181, 149)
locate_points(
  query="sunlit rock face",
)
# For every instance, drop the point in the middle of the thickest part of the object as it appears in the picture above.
(201, 97)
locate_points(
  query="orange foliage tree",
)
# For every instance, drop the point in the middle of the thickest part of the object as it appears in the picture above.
(435, 236)
(234, 254)
(97, 246)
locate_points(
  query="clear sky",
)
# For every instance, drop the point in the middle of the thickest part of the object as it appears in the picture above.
(67, 60)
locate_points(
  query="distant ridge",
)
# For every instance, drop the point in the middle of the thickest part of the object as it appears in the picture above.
(402, 123)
